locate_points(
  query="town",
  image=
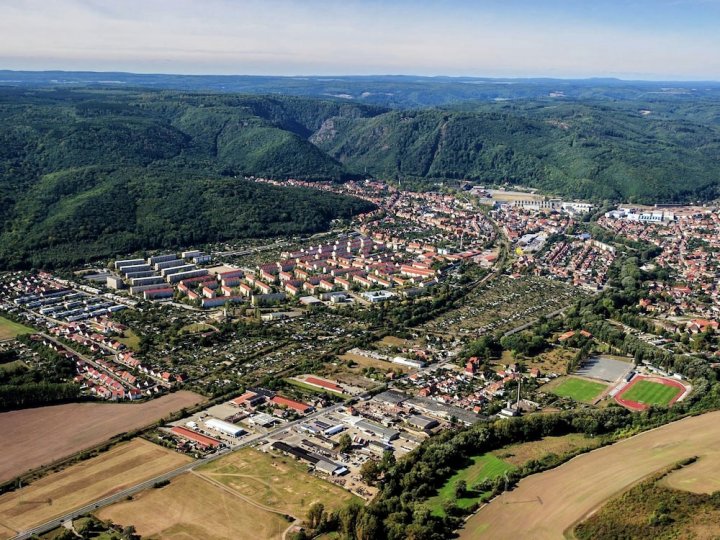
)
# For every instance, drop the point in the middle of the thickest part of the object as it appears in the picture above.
(346, 351)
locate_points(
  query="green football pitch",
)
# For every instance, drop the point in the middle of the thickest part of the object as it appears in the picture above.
(579, 389)
(651, 393)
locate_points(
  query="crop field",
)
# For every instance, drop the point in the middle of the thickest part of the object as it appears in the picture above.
(484, 467)
(521, 453)
(502, 305)
(191, 507)
(10, 329)
(552, 502)
(273, 481)
(36, 437)
(703, 476)
(54, 495)
(579, 389)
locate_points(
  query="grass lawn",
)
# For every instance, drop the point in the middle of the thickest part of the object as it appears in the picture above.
(11, 330)
(131, 340)
(579, 389)
(196, 328)
(651, 393)
(277, 482)
(484, 467)
(12, 366)
(315, 389)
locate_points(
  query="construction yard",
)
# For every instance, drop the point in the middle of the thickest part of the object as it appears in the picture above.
(124, 465)
(36, 437)
(549, 504)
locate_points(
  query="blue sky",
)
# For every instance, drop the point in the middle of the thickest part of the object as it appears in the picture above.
(643, 39)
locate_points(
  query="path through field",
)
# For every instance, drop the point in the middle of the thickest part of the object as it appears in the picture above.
(546, 505)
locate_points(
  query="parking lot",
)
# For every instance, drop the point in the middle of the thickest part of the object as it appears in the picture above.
(605, 368)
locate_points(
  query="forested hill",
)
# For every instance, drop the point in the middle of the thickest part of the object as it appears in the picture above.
(631, 152)
(88, 173)
(85, 175)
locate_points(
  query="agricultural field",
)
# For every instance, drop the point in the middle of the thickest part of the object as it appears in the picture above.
(124, 465)
(703, 476)
(10, 329)
(578, 389)
(649, 393)
(653, 510)
(552, 502)
(484, 467)
(272, 481)
(192, 507)
(519, 454)
(66, 429)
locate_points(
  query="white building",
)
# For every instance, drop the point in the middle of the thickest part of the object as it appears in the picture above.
(224, 427)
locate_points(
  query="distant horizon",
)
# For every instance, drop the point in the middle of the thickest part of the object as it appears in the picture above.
(360, 75)
(649, 40)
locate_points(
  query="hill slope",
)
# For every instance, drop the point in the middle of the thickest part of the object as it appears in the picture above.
(93, 174)
(119, 169)
(577, 150)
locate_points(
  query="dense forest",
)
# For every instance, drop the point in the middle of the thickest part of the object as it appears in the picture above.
(88, 173)
(584, 150)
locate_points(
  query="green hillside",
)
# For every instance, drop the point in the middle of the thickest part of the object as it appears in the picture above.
(577, 150)
(88, 173)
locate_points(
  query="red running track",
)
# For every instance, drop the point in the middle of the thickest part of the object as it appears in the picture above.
(636, 406)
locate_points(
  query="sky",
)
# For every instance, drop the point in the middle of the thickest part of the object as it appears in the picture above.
(631, 39)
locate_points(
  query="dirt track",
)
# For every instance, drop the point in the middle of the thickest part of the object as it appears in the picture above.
(35, 437)
(545, 505)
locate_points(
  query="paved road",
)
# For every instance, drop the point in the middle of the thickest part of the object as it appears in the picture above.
(121, 495)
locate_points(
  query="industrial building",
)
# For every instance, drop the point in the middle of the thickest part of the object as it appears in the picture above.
(202, 440)
(386, 434)
(224, 427)
(423, 423)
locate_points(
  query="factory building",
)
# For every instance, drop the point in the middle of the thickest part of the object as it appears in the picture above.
(224, 427)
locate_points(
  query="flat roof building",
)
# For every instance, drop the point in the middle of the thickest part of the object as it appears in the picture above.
(386, 434)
